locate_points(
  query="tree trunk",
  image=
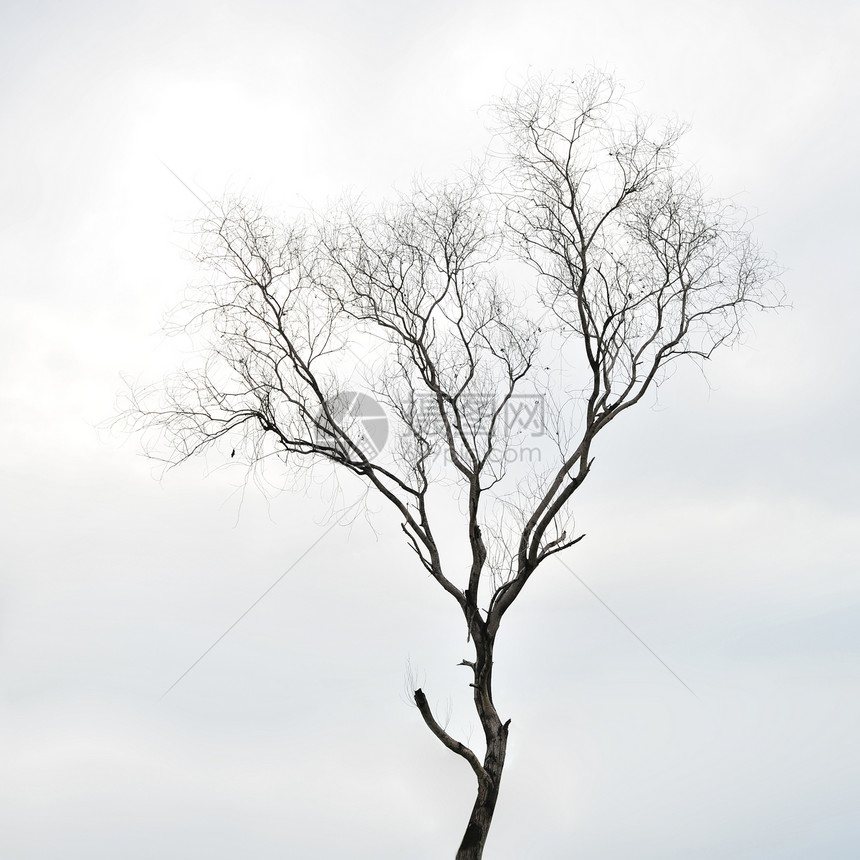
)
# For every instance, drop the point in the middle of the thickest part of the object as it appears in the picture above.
(488, 772)
(496, 739)
(475, 837)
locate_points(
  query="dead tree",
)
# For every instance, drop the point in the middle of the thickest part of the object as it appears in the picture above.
(630, 267)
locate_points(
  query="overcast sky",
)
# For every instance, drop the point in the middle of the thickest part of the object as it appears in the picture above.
(722, 525)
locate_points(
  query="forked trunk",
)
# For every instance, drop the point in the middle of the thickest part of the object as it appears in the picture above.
(496, 739)
(488, 772)
(472, 846)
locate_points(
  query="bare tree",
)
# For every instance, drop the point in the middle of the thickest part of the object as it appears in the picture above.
(630, 267)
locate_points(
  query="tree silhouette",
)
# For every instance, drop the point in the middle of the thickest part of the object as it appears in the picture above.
(589, 241)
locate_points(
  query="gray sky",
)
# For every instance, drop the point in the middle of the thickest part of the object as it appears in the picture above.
(722, 525)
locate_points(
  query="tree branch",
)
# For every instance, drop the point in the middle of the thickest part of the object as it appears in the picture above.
(455, 746)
